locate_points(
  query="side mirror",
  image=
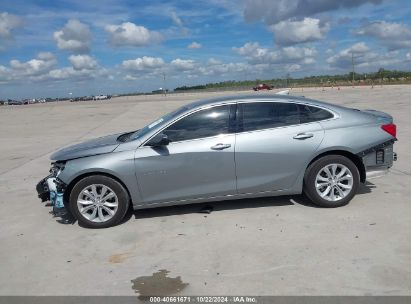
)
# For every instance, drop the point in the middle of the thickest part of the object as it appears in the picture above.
(159, 140)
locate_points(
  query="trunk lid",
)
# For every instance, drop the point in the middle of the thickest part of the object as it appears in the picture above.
(381, 116)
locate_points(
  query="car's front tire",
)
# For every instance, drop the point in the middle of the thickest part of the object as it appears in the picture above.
(98, 201)
(331, 181)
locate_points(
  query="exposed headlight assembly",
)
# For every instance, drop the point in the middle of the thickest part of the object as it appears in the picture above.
(56, 168)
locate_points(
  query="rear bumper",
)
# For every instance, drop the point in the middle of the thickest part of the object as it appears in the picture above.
(379, 160)
(376, 172)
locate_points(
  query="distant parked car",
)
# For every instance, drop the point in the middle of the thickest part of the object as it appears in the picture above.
(221, 149)
(101, 97)
(15, 102)
(263, 86)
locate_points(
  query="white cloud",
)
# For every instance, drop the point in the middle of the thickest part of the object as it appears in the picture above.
(213, 61)
(298, 54)
(153, 66)
(181, 68)
(83, 62)
(69, 73)
(276, 11)
(176, 19)
(46, 56)
(143, 64)
(194, 45)
(34, 67)
(248, 49)
(130, 78)
(9, 22)
(183, 64)
(256, 54)
(364, 57)
(293, 68)
(224, 69)
(74, 36)
(5, 74)
(344, 57)
(43, 68)
(329, 51)
(357, 48)
(293, 32)
(393, 35)
(130, 34)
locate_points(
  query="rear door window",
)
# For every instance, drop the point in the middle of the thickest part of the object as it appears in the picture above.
(265, 115)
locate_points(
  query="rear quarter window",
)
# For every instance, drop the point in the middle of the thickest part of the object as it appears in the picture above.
(311, 114)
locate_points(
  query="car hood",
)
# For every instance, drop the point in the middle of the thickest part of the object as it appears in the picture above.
(96, 146)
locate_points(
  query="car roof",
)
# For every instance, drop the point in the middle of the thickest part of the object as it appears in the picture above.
(259, 97)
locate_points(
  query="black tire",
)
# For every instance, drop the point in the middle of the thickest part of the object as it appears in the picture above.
(115, 186)
(309, 188)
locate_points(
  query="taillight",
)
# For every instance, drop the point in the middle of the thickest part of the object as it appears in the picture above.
(390, 129)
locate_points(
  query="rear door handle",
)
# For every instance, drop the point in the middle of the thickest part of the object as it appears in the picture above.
(220, 146)
(303, 135)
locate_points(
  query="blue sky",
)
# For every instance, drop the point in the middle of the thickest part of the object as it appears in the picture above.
(53, 48)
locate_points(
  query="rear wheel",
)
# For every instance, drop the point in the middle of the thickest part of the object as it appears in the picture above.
(98, 201)
(331, 181)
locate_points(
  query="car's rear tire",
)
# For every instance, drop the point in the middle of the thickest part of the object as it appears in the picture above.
(98, 201)
(331, 181)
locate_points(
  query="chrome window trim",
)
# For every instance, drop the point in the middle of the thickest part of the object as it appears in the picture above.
(231, 102)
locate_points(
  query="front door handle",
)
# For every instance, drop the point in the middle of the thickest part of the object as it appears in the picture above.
(220, 146)
(303, 135)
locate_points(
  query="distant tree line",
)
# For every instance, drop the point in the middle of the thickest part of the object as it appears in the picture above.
(381, 76)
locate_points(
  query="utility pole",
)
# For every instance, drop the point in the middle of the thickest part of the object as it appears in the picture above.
(164, 84)
(353, 70)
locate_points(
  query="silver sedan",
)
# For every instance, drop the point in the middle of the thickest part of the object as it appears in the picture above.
(221, 149)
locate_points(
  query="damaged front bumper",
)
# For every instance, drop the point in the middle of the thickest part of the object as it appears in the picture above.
(43, 191)
(51, 188)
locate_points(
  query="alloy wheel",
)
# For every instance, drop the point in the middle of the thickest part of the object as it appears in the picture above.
(97, 203)
(334, 182)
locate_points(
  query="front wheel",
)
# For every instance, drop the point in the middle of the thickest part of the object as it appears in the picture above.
(98, 201)
(331, 181)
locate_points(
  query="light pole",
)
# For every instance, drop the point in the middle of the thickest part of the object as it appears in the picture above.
(352, 63)
(164, 84)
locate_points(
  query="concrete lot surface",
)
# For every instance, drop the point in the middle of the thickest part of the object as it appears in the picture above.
(272, 246)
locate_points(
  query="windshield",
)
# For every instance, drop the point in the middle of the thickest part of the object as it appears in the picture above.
(164, 119)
